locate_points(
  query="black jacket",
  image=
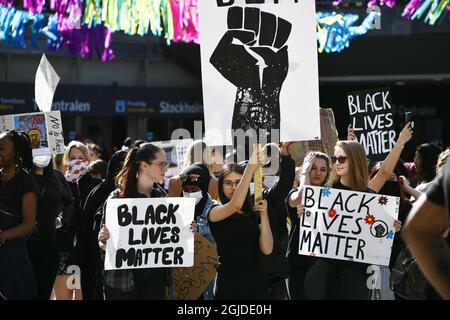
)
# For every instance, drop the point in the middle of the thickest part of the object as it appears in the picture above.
(276, 263)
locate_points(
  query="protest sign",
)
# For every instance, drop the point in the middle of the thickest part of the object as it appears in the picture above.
(329, 137)
(45, 84)
(372, 119)
(175, 153)
(149, 233)
(43, 128)
(347, 225)
(259, 69)
(190, 283)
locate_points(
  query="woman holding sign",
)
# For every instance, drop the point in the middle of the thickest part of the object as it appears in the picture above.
(144, 167)
(315, 172)
(348, 279)
(242, 232)
(18, 202)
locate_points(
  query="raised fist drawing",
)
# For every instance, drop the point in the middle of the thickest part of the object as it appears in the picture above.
(253, 56)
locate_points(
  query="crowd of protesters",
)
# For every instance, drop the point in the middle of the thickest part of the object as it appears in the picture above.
(52, 222)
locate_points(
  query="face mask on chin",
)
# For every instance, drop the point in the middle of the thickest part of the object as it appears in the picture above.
(196, 195)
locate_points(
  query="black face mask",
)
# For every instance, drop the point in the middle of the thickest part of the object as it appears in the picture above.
(391, 188)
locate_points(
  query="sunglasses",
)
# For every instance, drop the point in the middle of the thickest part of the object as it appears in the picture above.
(192, 177)
(339, 159)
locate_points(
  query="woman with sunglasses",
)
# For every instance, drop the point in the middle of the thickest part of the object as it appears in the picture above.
(143, 169)
(315, 171)
(242, 233)
(197, 151)
(347, 279)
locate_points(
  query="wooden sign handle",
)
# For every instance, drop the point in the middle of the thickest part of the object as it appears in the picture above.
(257, 177)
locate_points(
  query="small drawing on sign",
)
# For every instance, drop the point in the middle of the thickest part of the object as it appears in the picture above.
(379, 229)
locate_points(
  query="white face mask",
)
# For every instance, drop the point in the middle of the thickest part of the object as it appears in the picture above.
(270, 181)
(196, 195)
(42, 161)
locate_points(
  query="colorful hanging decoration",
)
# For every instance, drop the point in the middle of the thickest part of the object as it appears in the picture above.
(336, 30)
(388, 3)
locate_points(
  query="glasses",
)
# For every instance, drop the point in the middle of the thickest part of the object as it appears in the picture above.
(161, 165)
(339, 159)
(192, 177)
(230, 184)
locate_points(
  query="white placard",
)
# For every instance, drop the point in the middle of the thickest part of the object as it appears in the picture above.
(259, 68)
(45, 84)
(348, 225)
(44, 129)
(149, 233)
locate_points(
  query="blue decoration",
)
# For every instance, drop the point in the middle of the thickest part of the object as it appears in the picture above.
(336, 30)
(326, 192)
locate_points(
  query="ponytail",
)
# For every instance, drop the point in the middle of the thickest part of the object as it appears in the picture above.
(127, 177)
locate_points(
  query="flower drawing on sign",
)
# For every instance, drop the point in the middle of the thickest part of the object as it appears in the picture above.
(326, 192)
(390, 235)
(383, 200)
(331, 213)
(312, 254)
(369, 219)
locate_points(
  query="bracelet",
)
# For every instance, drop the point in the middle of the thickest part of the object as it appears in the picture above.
(397, 145)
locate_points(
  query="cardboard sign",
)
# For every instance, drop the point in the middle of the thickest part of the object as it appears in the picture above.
(326, 144)
(259, 69)
(190, 283)
(372, 119)
(149, 233)
(348, 225)
(43, 128)
(175, 152)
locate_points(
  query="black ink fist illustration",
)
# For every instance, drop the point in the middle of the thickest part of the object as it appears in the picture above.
(253, 56)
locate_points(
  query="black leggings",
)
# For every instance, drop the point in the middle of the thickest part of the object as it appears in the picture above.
(240, 286)
(45, 261)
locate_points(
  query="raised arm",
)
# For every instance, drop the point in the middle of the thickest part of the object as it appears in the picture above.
(295, 197)
(265, 237)
(222, 212)
(386, 169)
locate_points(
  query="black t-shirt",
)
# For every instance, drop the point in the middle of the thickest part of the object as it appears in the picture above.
(12, 191)
(237, 239)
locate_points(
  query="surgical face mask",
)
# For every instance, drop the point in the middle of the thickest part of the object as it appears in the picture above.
(75, 170)
(270, 181)
(42, 161)
(196, 195)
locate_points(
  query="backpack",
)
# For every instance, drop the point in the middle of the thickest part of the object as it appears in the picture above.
(407, 280)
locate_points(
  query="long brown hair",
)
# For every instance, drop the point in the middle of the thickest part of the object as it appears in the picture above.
(127, 177)
(321, 155)
(358, 170)
(247, 207)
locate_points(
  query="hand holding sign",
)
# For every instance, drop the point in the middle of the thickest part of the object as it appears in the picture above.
(261, 207)
(351, 133)
(255, 42)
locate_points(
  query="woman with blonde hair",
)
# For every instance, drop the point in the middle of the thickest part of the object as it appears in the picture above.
(197, 151)
(76, 159)
(347, 279)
